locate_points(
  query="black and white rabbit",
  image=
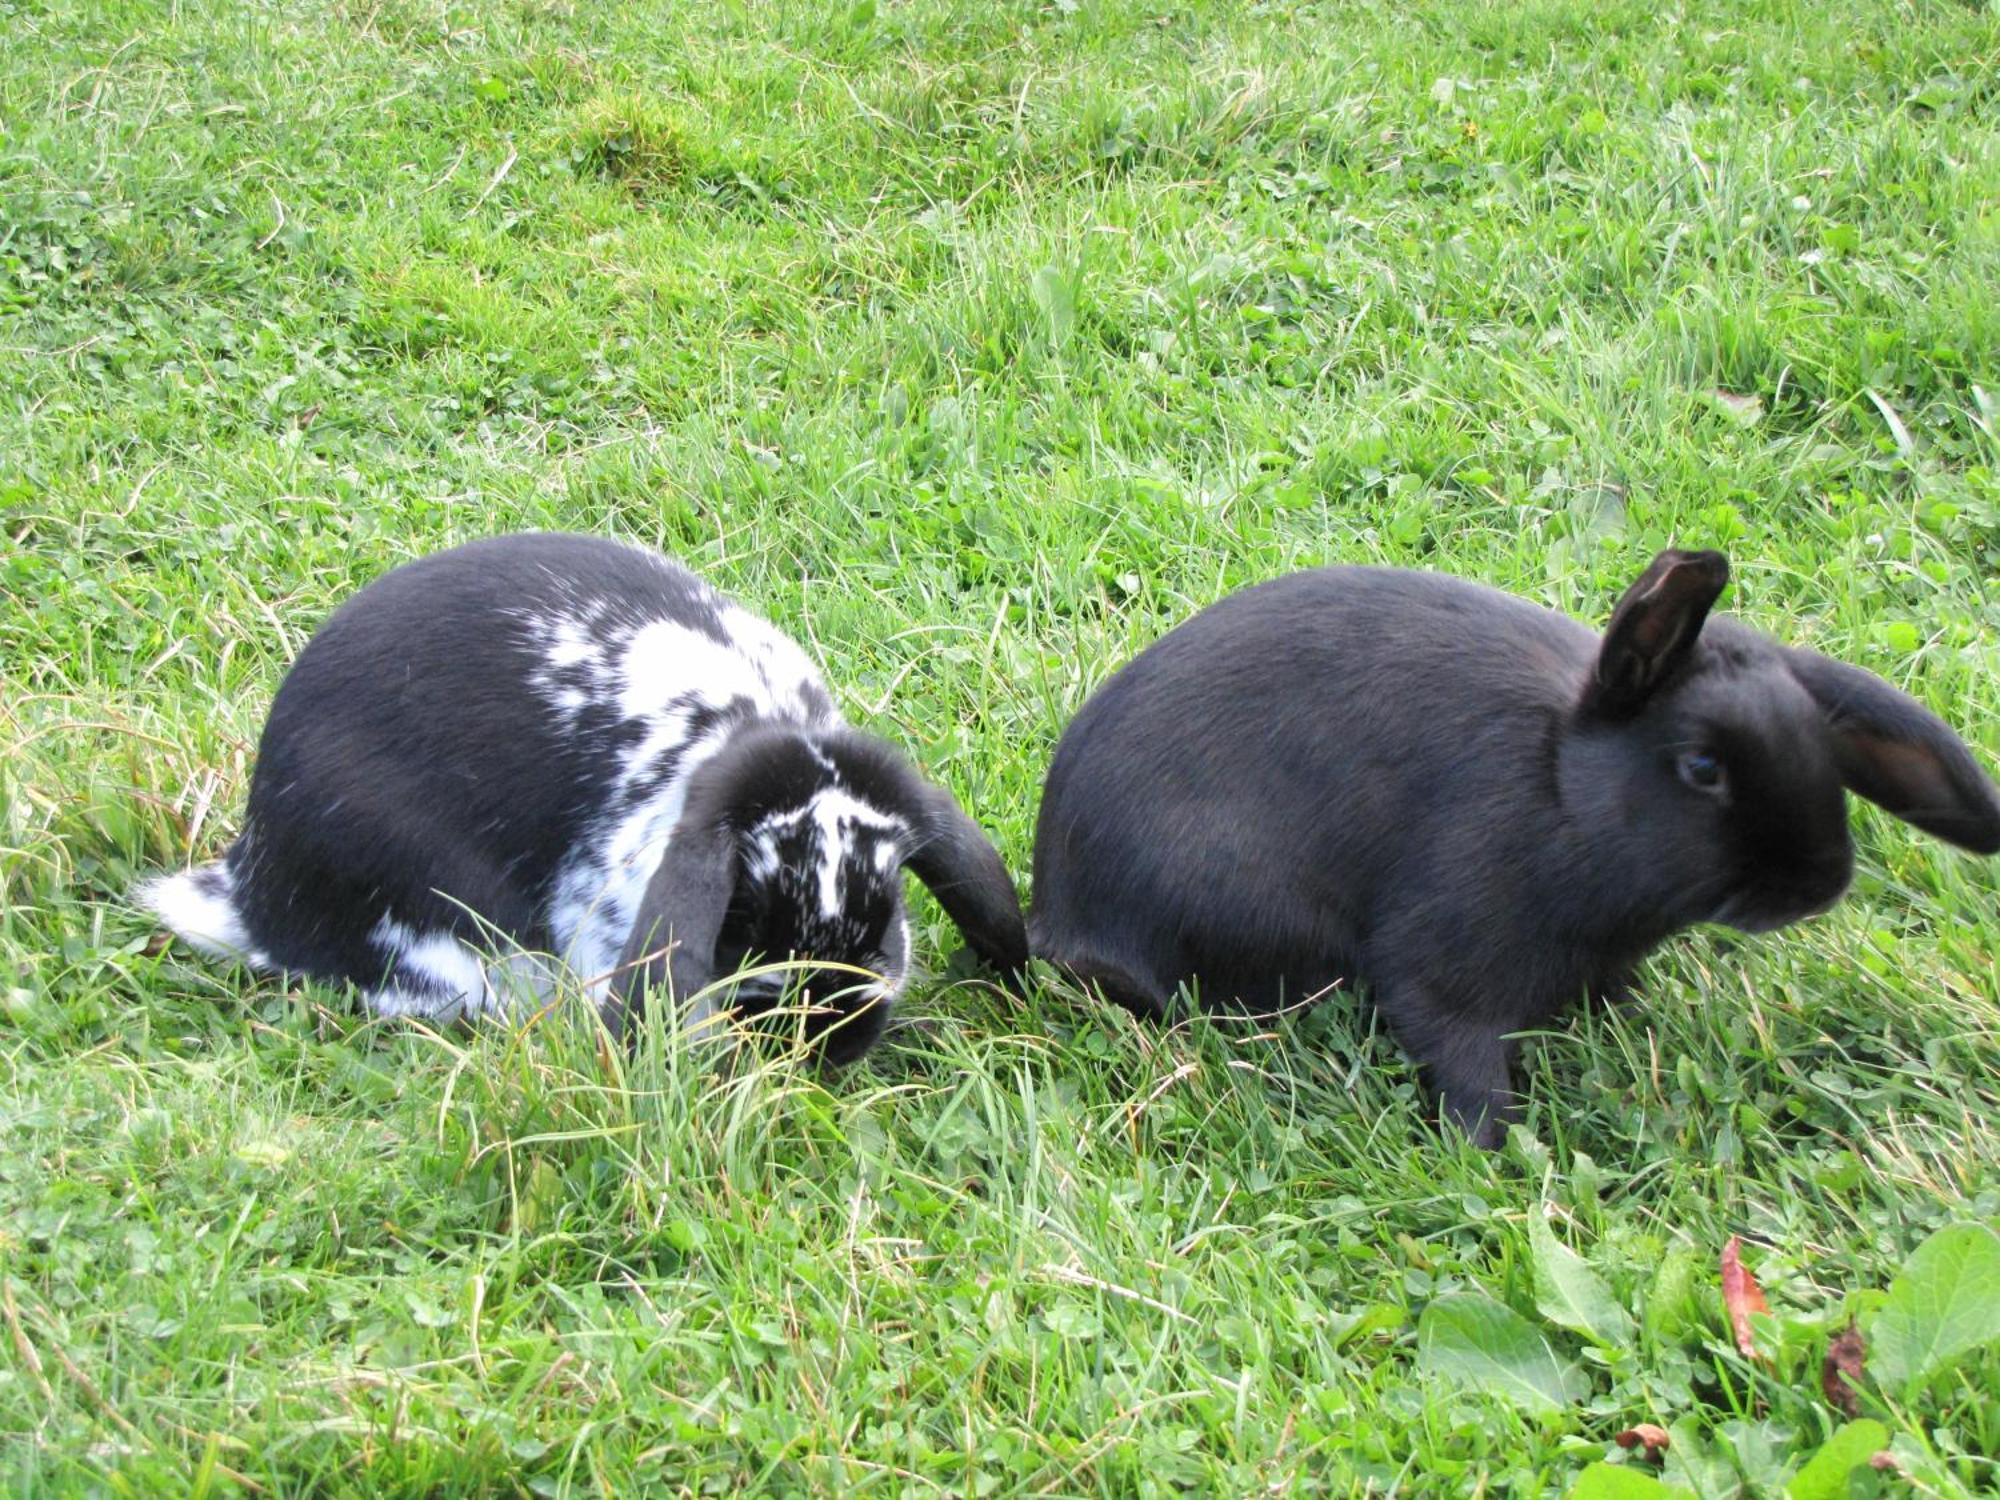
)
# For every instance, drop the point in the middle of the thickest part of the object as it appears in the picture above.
(1475, 807)
(581, 747)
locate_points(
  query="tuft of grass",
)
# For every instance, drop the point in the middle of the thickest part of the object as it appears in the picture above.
(631, 138)
(975, 347)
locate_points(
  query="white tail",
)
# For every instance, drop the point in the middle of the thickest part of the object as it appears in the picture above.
(196, 905)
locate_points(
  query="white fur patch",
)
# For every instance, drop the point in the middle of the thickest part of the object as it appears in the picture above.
(837, 812)
(393, 1002)
(454, 981)
(595, 899)
(892, 983)
(200, 918)
(509, 986)
(667, 677)
(568, 646)
(834, 813)
(664, 664)
(196, 907)
(760, 859)
(785, 672)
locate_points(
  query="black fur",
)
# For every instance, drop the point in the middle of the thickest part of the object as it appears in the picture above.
(1471, 805)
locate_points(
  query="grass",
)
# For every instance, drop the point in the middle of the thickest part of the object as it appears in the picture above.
(975, 346)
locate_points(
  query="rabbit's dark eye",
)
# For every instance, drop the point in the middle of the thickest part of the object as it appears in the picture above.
(1702, 771)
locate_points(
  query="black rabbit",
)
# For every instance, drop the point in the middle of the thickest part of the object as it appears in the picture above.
(581, 747)
(1471, 805)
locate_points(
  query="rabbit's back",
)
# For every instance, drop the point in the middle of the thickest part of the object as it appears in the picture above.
(1255, 781)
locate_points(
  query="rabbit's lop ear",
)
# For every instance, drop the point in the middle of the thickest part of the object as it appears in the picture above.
(951, 854)
(680, 918)
(1653, 629)
(1899, 755)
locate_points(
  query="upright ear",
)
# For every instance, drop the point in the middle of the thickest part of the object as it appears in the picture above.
(1653, 630)
(1899, 755)
(952, 856)
(680, 917)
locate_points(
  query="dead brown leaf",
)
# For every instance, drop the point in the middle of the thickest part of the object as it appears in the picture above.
(1741, 1296)
(1653, 1440)
(1840, 1377)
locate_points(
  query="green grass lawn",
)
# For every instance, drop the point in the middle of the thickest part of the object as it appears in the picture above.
(976, 346)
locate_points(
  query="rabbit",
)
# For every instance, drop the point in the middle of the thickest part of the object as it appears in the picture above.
(1473, 807)
(577, 745)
